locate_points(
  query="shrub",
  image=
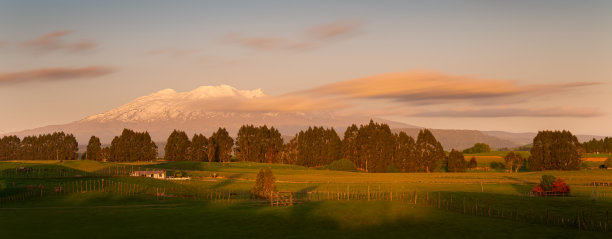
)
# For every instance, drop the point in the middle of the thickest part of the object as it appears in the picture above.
(472, 163)
(496, 165)
(342, 165)
(550, 183)
(547, 182)
(264, 185)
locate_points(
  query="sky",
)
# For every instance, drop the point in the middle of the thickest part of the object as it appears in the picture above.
(518, 66)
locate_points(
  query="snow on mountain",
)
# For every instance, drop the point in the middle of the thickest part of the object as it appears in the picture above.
(168, 104)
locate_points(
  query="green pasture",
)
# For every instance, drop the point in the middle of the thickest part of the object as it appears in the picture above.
(315, 191)
(93, 215)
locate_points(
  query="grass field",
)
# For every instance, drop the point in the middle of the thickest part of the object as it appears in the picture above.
(101, 216)
(317, 214)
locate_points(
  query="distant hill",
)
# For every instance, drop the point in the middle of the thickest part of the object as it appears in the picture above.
(461, 139)
(527, 138)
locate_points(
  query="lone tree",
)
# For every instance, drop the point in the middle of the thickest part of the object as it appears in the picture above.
(456, 162)
(264, 185)
(555, 150)
(514, 161)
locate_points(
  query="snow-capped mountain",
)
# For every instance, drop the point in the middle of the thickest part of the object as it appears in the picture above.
(202, 110)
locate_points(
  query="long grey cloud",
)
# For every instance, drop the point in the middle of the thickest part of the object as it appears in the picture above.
(56, 41)
(53, 74)
(512, 112)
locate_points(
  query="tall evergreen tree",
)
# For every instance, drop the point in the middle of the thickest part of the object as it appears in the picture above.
(94, 149)
(456, 161)
(349, 143)
(405, 153)
(198, 149)
(430, 153)
(177, 146)
(222, 144)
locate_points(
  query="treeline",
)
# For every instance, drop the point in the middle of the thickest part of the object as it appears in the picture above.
(55, 146)
(371, 148)
(598, 146)
(127, 147)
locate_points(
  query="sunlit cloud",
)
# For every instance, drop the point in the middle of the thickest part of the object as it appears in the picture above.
(53, 74)
(55, 41)
(423, 87)
(513, 112)
(311, 38)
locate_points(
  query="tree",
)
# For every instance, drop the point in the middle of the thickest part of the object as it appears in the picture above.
(349, 143)
(478, 148)
(221, 144)
(405, 153)
(94, 149)
(430, 153)
(456, 161)
(376, 147)
(473, 163)
(177, 146)
(555, 150)
(198, 149)
(514, 161)
(264, 184)
(290, 151)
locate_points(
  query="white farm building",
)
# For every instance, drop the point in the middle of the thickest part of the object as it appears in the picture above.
(159, 174)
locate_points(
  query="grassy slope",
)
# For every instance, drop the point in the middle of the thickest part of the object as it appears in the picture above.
(99, 216)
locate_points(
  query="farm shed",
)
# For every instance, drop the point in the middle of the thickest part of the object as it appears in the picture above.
(160, 174)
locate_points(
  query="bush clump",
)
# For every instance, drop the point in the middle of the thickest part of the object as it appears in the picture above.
(497, 166)
(264, 185)
(342, 165)
(551, 184)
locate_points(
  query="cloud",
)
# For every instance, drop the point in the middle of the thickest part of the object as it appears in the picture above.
(311, 38)
(423, 87)
(173, 52)
(513, 112)
(55, 41)
(53, 74)
(333, 30)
